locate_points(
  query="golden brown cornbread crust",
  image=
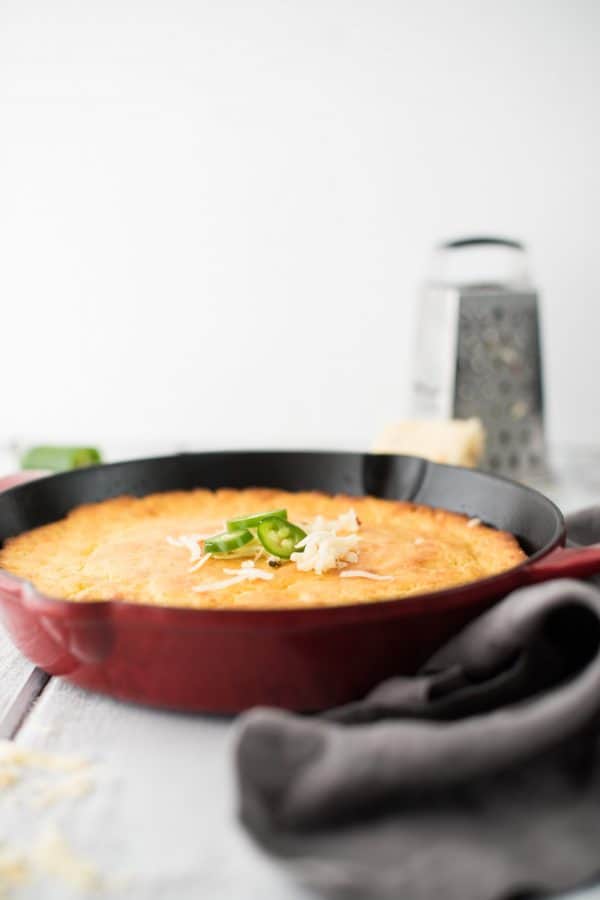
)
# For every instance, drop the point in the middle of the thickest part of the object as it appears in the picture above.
(117, 550)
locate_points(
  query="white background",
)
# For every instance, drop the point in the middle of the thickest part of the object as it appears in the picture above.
(214, 216)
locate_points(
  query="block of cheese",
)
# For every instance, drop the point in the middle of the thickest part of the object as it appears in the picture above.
(458, 442)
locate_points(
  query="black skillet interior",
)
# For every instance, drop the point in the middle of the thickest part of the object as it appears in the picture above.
(530, 516)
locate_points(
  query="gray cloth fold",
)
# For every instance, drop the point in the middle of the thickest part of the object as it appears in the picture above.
(478, 779)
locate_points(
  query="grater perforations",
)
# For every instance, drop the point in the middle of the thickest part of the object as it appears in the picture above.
(498, 376)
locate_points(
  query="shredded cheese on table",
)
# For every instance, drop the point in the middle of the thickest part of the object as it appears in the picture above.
(76, 785)
(13, 869)
(15, 756)
(54, 856)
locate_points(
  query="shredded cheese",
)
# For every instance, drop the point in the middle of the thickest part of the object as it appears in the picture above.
(239, 575)
(53, 855)
(13, 755)
(189, 542)
(345, 522)
(249, 574)
(13, 869)
(360, 573)
(8, 775)
(324, 550)
(76, 785)
(329, 544)
(216, 585)
(198, 565)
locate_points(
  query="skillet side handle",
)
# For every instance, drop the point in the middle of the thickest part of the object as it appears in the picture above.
(566, 562)
(9, 481)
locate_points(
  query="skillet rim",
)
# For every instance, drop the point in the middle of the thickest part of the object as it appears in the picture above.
(126, 610)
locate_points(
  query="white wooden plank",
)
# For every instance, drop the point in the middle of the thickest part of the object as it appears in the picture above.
(159, 823)
(161, 813)
(14, 672)
(14, 668)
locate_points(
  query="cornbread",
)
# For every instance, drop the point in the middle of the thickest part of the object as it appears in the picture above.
(457, 442)
(129, 549)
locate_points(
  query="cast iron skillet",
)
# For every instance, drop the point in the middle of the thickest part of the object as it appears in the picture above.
(308, 659)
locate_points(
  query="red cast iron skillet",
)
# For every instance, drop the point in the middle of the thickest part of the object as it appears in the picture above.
(302, 659)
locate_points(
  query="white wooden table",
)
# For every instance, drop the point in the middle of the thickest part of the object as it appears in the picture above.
(158, 820)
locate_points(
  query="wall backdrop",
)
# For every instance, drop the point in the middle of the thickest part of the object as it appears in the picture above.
(214, 216)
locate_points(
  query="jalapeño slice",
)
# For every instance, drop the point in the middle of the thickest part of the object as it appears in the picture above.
(255, 520)
(60, 459)
(278, 537)
(227, 541)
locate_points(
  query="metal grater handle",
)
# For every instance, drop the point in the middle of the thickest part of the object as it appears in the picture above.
(482, 241)
(448, 266)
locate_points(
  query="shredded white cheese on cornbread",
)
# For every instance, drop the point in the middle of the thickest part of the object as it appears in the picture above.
(324, 549)
(238, 575)
(329, 544)
(200, 563)
(345, 522)
(189, 542)
(362, 573)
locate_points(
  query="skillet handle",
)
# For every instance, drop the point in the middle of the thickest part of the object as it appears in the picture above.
(566, 562)
(16, 478)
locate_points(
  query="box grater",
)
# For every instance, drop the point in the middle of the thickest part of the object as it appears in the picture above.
(478, 350)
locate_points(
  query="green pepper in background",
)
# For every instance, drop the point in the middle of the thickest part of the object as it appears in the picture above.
(60, 459)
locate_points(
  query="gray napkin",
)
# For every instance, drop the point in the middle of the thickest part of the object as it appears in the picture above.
(478, 779)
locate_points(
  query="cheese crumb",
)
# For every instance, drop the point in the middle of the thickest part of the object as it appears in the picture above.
(13, 755)
(8, 775)
(55, 857)
(13, 870)
(77, 785)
